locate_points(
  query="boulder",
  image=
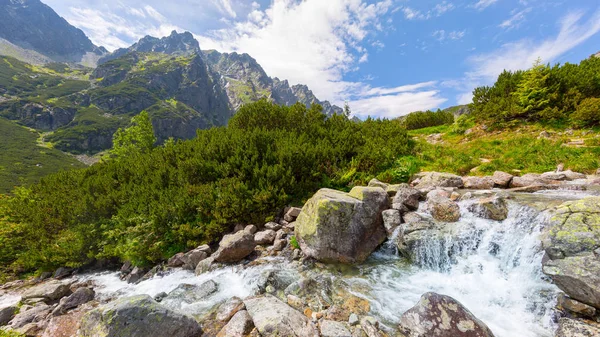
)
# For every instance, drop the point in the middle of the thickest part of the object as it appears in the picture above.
(429, 180)
(64, 325)
(229, 308)
(391, 220)
(292, 214)
(274, 318)
(79, 297)
(528, 180)
(239, 326)
(251, 229)
(235, 247)
(136, 275)
(393, 189)
(568, 327)
(478, 183)
(573, 306)
(574, 175)
(577, 276)
(333, 329)
(342, 227)
(442, 208)
(274, 226)
(574, 228)
(175, 261)
(493, 208)
(7, 314)
(265, 237)
(204, 265)
(50, 291)
(406, 199)
(33, 315)
(190, 293)
(502, 179)
(554, 176)
(441, 316)
(62, 272)
(193, 257)
(137, 316)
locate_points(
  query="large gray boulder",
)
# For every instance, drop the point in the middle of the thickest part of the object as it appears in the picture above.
(33, 315)
(274, 318)
(79, 297)
(50, 291)
(441, 316)
(493, 208)
(568, 327)
(235, 247)
(478, 183)
(442, 208)
(191, 293)
(192, 258)
(431, 180)
(265, 237)
(239, 326)
(577, 276)
(406, 199)
(502, 179)
(137, 316)
(342, 227)
(7, 313)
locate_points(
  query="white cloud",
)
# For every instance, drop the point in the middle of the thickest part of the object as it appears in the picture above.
(483, 4)
(523, 53)
(225, 7)
(515, 20)
(437, 11)
(442, 35)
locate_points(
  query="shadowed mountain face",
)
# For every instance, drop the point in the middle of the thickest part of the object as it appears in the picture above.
(32, 25)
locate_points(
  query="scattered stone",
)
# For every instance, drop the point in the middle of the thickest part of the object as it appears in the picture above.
(502, 179)
(137, 316)
(528, 180)
(493, 208)
(441, 207)
(478, 183)
(239, 326)
(297, 254)
(192, 258)
(126, 268)
(544, 134)
(441, 316)
(265, 237)
(554, 176)
(79, 297)
(229, 308)
(62, 272)
(455, 196)
(50, 291)
(33, 315)
(574, 306)
(292, 214)
(7, 313)
(274, 226)
(376, 183)
(175, 261)
(64, 325)
(342, 227)
(353, 319)
(136, 275)
(574, 175)
(393, 189)
(436, 179)
(275, 318)
(238, 227)
(568, 327)
(235, 247)
(577, 276)
(370, 326)
(391, 220)
(406, 199)
(190, 293)
(333, 329)
(160, 296)
(281, 234)
(279, 245)
(295, 302)
(205, 265)
(251, 229)
(560, 167)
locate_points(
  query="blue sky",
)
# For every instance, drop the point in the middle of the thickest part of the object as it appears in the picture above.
(386, 57)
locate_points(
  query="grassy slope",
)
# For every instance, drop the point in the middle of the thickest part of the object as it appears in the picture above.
(519, 150)
(20, 156)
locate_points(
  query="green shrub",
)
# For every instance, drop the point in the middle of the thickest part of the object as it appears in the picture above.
(462, 124)
(420, 119)
(294, 242)
(587, 113)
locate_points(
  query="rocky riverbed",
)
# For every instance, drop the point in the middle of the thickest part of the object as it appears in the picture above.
(444, 256)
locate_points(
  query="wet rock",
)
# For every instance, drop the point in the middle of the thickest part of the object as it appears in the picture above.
(442, 208)
(239, 326)
(275, 318)
(235, 247)
(33, 315)
(7, 313)
(391, 220)
(62, 272)
(333, 329)
(406, 199)
(441, 316)
(193, 257)
(342, 227)
(292, 214)
(370, 326)
(574, 228)
(136, 275)
(126, 268)
(502, 179)
(493, 208)
(577, 276)
(478, 183)
(229, 308)
(175, 261)
(79, 297)
(50, 291)
(205, 265)
(137, 316)
(265, 237)
(274, 226)
(279, 245)
(429, 180)
(568, 327)
(571, 305)
(190, 293)
(160, 296)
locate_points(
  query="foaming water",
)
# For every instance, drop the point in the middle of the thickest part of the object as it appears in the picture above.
(492, 268)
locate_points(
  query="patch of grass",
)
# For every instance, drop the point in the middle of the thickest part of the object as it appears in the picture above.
(23, 161)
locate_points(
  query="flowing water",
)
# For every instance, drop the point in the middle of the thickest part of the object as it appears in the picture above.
(492, 268)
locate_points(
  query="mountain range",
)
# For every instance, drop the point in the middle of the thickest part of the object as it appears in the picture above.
(55, 80)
